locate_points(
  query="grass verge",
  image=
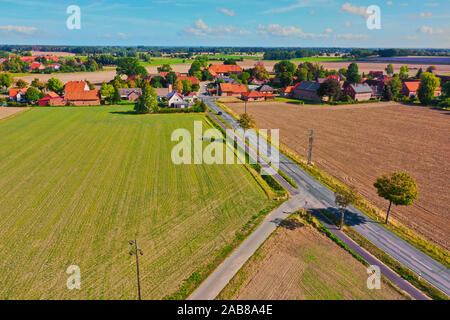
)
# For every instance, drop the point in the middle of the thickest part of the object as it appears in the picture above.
(402, 271)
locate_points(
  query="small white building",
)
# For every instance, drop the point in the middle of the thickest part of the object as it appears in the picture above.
(176, 100)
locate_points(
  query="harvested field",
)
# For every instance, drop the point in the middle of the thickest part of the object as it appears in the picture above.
(363, 66)
(6, 112)
(297, 263)
(358, 143)
(97, 78)
(79, 182)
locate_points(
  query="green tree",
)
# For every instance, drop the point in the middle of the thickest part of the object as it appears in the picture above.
(419, 73)
(171, 78)
(428, 84)
(244, 76)
(246, 121)
(353, 75)
(446, 89)
(178, 86)
(147, 102)
(195, 87)
(284, 66)
(398, 188)
(164, 68)
(404, 72)
(130, 67)
(6, 80)
(55, 85)
(390, 70)
(187, 86)
(21, 84)
(107, 91)
(302, 74)
(32, 95)
(330, 88)
(286, 79)
(37, 84)
(344, 198)
(116, 98)
(395, 86)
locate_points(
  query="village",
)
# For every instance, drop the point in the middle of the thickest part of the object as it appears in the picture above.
(308, 83)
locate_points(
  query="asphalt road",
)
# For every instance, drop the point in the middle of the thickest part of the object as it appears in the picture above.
(312, 195)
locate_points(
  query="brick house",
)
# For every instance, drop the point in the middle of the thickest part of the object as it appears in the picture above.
(220, 70)
(18, 95)
(307, 90)
(130, 94)
(77, 93)
(358, 91)
(51, 99)
(232, 90)
(253, 96)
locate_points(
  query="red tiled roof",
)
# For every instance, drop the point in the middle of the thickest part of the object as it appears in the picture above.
(28, 59)
(193, 80)
(13, 92)
(253, 94)
(234, 88)
(224, 68)
(287, 89)
(412, 85)
(75, 91)
(164, 74)
(36, 65)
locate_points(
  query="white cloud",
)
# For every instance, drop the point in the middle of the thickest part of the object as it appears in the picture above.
(360, 11)
(412, 38)
(231, 13)
(287, 31)
(430, 30)
(122, 35)
(426, 15)
(299, 4)
(18, 29)
(201, 29)
(351, 36)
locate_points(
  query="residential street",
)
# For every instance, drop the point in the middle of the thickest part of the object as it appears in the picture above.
(315, 196)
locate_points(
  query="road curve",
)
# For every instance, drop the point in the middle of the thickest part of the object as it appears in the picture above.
(315, 196)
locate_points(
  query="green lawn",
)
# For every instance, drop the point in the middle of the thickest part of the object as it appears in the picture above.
(318, 59)
(79, 182)
(160, 61)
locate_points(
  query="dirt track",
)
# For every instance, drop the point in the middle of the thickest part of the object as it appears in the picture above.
(358, 143)
(9, 111)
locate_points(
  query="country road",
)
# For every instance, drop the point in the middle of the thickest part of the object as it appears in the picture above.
(314, 196)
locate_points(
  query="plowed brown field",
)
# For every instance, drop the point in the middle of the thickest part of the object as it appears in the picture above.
(358, 143)
(9, 111)
(297, 263)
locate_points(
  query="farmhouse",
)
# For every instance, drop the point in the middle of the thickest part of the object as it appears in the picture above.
(266, 89)
(286, 92)
(176, 100)
(307, 90)
(37, 66)
(377, 87)
(253, 96)
(410, 88)
(358, 91)
(78, 94)
(51, 99)
(18, 95)
(232, 90)
(220, 70)
(130, 94)
(376, 74)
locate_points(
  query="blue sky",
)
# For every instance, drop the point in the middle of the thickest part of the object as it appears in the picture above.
(301, 23)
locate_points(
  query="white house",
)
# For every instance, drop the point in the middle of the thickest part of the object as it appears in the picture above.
(176, 100)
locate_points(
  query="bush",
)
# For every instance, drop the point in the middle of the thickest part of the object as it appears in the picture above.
(445, 103)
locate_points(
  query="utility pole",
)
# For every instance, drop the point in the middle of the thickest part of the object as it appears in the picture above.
(311, 144)
(136, 251)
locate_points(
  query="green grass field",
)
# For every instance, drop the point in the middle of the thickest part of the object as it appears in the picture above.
(160, 61)
(318, 59)
(79, 182)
